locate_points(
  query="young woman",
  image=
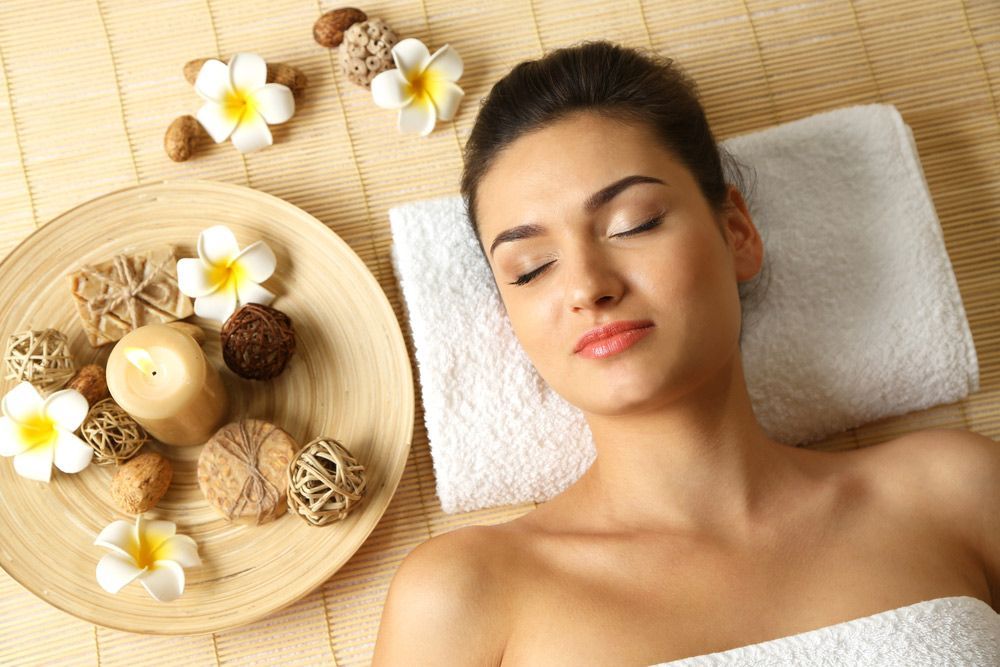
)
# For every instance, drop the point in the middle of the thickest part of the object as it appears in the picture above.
(621, 254)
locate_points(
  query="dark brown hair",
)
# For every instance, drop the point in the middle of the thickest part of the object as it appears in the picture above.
(631, 85)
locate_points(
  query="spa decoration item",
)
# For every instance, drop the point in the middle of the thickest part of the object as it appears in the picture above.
(329, 28)
(258, 341)
(365, 44)
(223, 277)
(38, 432)
(113, 435)
(242, 470)
(147, 550)
(90, 382)
(40, 357)
(127, 292)
(325, 482)
(239, 103)
(185, 135)
(421, 86)
(162, 379)
(140, 483)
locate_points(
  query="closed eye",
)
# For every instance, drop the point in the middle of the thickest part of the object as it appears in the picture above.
(527, 277)
(649, 224)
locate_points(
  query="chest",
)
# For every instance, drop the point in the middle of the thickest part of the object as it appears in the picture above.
(643, 602)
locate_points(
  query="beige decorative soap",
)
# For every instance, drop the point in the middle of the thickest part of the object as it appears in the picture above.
(242, 470)
(127, 292)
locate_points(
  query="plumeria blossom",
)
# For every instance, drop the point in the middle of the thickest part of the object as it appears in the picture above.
(222, 277)
(422, 86)
(150, 551)
(239, 104)
(38, 432)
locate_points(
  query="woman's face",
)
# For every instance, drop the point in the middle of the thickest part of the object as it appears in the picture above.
(589, 248)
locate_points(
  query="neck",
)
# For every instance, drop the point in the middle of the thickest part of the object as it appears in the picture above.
(699, 464)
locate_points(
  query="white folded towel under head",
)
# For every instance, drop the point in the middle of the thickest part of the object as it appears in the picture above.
(862, 318)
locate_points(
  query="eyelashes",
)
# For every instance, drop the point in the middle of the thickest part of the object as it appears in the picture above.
(645, 226)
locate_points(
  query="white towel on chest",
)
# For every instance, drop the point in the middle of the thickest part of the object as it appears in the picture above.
(862, 318)
(956, 631)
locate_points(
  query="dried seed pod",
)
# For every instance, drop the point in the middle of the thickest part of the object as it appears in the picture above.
(140, 483)
(367, 50)
(287, 75)
(90, 382)
(329, 28)
(183, 138)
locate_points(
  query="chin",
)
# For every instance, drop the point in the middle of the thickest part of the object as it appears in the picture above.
(625, 396)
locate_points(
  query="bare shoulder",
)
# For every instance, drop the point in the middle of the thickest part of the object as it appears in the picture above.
(951, 475)
(442, 605)
(948, 466)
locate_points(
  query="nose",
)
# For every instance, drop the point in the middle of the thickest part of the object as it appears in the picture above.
(592, 280)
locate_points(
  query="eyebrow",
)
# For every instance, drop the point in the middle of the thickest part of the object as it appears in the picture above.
(592, 203)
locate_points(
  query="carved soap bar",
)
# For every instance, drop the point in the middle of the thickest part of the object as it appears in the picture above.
(127, 292)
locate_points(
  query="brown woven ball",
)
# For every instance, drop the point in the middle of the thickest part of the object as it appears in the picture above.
(325, 482)
(258, 341)
(114, 436)
(40, 357)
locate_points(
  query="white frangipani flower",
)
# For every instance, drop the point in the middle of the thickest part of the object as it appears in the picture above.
(239, 104)
(150, 551)
(222, 278)
(38, 432)
(421, 86)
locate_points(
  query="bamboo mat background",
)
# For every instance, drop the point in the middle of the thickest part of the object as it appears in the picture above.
(89, 88)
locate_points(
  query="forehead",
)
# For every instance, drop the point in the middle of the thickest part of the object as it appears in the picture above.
(552, 171)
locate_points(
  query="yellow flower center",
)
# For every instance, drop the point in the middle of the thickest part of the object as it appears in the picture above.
(418, 85)
(426, 87)
(144, 556)
(237, 104)
(228, 277)
(143, 552)
(37, 431)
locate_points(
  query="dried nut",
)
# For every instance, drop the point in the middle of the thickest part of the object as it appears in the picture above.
(287, 75)
(192, 67)
(329, 28)
(190, 329)
(182, 138)
(90, 381)
(139, 483)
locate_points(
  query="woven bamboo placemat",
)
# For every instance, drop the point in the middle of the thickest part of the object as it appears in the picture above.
(90, 86)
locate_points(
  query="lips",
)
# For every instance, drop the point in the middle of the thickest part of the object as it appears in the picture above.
(597, 339)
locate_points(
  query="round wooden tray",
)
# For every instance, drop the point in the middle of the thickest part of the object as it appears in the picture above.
(350, 378)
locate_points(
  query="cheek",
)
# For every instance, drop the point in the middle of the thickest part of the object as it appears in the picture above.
(530, 317)
(671, 276)
(533, 319)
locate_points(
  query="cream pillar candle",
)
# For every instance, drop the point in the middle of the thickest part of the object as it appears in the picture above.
(161, 377)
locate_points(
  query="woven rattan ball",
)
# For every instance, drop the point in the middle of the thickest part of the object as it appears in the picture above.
(258, 341)
(325, 482)
(367, 51)
(114, 436)
(40, 357)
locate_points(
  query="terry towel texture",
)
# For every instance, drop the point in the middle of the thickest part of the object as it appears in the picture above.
(957, 631)
(862, 318)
